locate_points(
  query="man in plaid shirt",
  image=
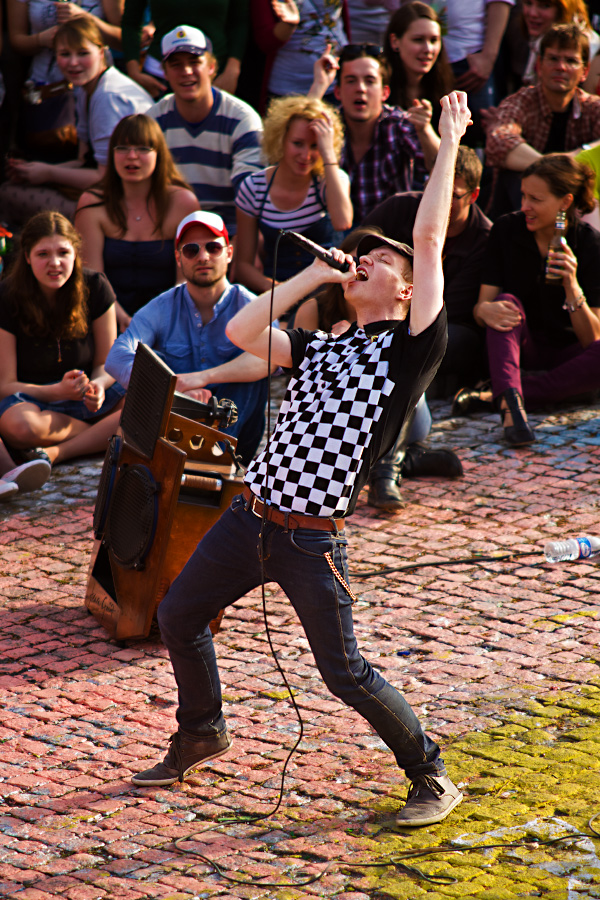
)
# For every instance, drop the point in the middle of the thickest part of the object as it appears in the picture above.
(382, 154)
(553, 116)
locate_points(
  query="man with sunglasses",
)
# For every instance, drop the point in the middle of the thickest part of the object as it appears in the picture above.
(186, 327)
(347, 399)
(382, 153)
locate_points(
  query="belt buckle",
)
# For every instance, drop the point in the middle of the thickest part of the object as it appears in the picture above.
(253, 503)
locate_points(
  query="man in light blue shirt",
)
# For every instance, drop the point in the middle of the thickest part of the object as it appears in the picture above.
(185, 326)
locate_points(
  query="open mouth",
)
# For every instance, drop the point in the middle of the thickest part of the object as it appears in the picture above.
(361, 274)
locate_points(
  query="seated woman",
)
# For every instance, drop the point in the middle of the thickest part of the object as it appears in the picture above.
(46, 118)
(550, 328)
(57, 324)
(128, 221)
(420, 71)
(409, 457)
(303, 190)
(104, 96)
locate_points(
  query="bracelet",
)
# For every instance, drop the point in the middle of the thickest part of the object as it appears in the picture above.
(577, 304)
(330, 164)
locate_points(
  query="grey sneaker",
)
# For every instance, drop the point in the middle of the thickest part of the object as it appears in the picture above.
(430, 799)
(183, 756)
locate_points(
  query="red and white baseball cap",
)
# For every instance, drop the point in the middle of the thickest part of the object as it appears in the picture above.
(185, 39)
(210, 220)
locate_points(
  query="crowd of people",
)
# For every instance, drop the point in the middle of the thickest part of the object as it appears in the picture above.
(452, 150)
(134, 123)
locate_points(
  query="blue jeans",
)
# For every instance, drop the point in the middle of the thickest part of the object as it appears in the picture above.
(223, 568)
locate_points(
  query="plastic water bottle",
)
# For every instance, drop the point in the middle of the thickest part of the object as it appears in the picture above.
(572, 548)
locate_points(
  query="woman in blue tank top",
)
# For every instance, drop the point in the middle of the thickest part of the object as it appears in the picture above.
(303, 189)
(129, 219)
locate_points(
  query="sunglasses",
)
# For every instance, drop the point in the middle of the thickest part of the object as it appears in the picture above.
(213, 248)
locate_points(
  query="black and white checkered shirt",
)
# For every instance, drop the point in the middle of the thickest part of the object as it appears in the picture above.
(343, 408)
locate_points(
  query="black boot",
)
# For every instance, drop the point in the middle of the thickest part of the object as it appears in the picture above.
(384, 480)
(421, 461)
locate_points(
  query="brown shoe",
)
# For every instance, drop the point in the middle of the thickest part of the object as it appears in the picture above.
(184, 755)
(430, 799)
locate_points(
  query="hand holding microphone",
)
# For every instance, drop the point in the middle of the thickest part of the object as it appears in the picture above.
(320, 252)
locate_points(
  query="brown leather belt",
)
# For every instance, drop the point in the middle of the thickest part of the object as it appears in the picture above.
(289, 521)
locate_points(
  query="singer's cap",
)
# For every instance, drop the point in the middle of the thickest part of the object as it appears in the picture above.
(210, 220)
(370, 241)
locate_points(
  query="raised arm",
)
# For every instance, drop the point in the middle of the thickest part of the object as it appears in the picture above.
(431, 223)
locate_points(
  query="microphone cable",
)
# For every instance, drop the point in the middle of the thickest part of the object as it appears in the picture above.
(242, 817)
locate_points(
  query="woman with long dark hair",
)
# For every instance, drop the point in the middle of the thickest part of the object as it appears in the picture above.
(128, 220)
(420, 71)
(57, 324)
(549, 327)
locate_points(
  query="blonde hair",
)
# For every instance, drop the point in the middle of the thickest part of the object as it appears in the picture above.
(280, 115)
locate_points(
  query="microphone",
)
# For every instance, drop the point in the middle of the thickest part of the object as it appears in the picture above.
(319, 252)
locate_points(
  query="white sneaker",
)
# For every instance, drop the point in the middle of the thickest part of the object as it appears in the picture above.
(30, 476)
(8, 489)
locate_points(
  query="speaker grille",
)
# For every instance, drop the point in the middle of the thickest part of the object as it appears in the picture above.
(133, 515)
(147, 400)
(106, 485)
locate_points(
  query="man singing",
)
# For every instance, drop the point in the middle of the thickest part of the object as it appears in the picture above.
(345, 404)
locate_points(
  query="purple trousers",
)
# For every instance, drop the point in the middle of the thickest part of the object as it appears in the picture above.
(560, 372)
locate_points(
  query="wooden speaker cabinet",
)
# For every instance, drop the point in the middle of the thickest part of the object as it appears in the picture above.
(166, 479)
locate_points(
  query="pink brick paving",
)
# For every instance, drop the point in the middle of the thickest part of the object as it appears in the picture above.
(470, 645)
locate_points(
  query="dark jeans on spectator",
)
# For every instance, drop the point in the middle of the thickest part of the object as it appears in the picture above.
(568, 371)
(223, 568)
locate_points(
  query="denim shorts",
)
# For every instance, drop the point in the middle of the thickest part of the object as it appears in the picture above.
(76, 409)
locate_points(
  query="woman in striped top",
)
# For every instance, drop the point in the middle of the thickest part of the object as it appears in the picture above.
(303, 189)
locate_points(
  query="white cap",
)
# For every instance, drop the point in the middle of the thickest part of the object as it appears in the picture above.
(185, 39)
(210, 220)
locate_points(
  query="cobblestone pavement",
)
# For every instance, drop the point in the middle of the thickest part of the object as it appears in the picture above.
(499, 658)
